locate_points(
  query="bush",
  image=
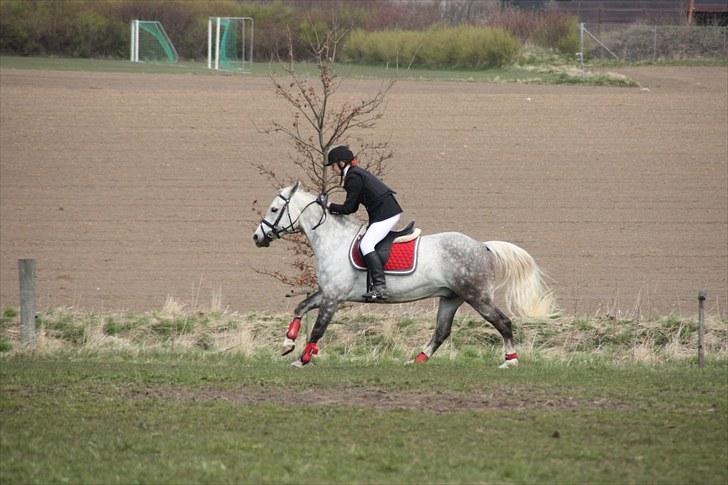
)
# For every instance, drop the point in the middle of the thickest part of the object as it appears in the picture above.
(450, 47)
(78, 28)
(549, 29)
(560, 33)
(91, 28)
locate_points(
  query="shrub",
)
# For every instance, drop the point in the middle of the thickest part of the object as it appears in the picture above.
(549, 29)
(99, 28)
(451, 47)
(560, 33)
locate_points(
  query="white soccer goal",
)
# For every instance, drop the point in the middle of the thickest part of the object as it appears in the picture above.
(230, 43)
(150, 43)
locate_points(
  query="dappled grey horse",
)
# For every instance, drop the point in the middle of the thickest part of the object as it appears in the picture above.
(451, 266)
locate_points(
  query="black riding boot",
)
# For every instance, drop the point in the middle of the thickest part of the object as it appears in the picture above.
(376, 272)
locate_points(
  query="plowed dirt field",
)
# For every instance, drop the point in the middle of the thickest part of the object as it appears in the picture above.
(131, 188)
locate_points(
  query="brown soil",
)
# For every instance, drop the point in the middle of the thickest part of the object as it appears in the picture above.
(130, 188)
(440, 402)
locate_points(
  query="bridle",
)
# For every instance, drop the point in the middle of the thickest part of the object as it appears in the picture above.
(276, 232)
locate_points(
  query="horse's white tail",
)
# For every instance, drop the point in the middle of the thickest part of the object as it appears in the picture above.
(526, 292)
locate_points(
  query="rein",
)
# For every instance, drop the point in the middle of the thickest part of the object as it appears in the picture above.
(290, 229)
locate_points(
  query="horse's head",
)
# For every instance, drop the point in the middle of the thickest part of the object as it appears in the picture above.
(277, 221)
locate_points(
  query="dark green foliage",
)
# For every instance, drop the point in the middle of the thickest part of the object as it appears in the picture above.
(113, 327)
(8, 316)
(79, 28)
(172, 327)
(90, 28)
(66, 327)
(64, 27)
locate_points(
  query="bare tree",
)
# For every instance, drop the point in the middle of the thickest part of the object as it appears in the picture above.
(319, 123)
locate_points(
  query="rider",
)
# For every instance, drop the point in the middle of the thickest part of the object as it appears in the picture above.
(364, 188)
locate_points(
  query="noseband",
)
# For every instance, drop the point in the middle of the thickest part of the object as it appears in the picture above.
(276, 232)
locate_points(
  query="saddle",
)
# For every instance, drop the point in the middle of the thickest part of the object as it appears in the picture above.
(398, 251)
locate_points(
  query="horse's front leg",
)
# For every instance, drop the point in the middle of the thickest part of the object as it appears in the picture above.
(327, 308)
(289, 342)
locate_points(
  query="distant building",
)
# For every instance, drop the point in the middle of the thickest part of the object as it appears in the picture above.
(674, 12)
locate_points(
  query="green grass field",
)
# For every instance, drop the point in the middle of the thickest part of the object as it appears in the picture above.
(530, 72)
(83, 417)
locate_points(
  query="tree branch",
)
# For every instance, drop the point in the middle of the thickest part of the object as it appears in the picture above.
(316, 126)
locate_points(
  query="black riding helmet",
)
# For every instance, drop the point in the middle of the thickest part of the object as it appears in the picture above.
(339, 153)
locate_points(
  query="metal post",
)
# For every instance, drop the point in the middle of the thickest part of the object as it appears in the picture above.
(581, 46)
(26, 270)
(217, 45)
(252, 32)
(242, 46)
(581, 42)
(136, 41)
(701, 328)
(209, 42)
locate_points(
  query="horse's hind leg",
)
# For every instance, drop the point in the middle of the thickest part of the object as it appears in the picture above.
(503, 324)
(445, 314)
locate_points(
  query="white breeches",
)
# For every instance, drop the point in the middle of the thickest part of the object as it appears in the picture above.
(376, 232)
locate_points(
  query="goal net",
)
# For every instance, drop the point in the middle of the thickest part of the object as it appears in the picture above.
(230, 43)
(150, 43)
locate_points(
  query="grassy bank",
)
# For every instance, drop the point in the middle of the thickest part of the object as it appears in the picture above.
(170, 417)
(361, 336)
(528, 70)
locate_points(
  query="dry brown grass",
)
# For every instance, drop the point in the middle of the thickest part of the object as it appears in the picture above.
(358, 334)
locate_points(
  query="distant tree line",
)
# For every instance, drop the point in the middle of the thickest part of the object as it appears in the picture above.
(89, 28)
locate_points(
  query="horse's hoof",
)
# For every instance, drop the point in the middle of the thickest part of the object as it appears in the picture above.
(297, 364)
(288, 346)
(508, 363)
(287, 349)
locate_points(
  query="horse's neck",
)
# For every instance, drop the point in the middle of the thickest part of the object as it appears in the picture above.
(339, 230)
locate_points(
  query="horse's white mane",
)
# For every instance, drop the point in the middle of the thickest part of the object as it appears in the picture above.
(349, 219)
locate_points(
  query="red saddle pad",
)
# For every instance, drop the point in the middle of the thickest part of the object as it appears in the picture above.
(402, 257)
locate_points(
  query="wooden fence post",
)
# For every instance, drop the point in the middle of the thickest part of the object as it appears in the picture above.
(26, 269)
(701, 328)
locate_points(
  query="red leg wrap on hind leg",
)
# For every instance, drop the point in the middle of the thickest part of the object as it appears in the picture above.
(421, 357)
(293, 328)
(512, 356)
(309, 352)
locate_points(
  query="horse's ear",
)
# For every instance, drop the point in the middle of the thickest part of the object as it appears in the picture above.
(295, 188)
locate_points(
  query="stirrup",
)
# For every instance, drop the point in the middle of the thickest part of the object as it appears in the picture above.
(377, 294)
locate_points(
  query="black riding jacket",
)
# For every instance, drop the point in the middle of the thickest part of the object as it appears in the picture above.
(364, 188)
